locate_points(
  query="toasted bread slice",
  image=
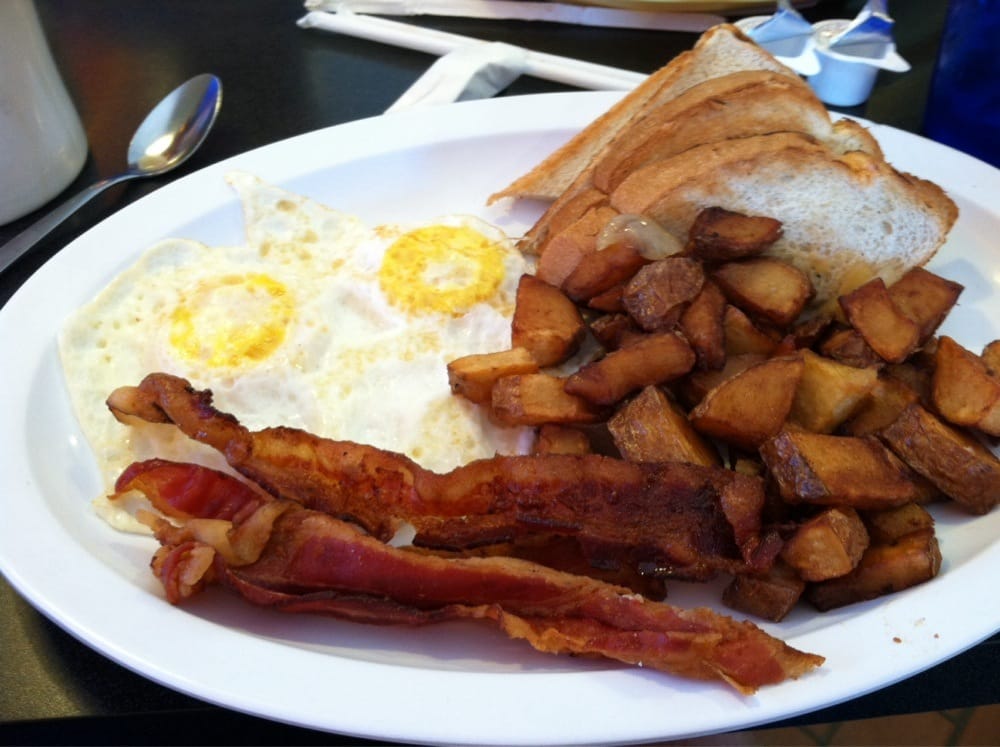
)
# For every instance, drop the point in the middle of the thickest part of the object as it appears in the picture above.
(721, 50)
(842, 215)
(849, 136)
(749, 102)
(735, 105)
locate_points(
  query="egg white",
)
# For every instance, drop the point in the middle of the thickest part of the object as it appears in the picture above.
(301, 327)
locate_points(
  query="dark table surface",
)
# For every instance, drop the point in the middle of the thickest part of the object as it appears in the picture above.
(120, 57)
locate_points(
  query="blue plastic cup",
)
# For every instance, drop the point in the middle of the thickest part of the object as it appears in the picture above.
(963, 109)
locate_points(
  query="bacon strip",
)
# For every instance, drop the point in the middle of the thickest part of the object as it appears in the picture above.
(312, 562)
(668, 519)
(167, 484)
(676, 520)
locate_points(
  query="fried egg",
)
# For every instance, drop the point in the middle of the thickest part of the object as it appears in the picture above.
(318, 322)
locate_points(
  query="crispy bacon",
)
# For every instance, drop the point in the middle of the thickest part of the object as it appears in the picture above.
(372, 487)
(169, 485)
(672, 519)
(219, 510)
(313, 562)
(565, 554)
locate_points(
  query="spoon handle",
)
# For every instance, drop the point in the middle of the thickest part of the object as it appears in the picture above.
(26, 240)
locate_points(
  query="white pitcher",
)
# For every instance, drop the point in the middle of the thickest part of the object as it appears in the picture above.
(42, 143)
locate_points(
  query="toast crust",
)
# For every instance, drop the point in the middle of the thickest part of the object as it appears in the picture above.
(753, 102)
(720, 50)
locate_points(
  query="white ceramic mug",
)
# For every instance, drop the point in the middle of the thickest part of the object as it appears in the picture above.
(42, 143)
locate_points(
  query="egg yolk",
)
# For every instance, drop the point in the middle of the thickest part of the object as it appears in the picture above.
(232, 321)
(444, 269)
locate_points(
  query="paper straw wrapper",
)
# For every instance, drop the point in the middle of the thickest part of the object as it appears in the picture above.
(566, 70)
(527, 10)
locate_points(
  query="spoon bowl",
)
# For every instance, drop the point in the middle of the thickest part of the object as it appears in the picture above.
(170, 133)
(176, 127)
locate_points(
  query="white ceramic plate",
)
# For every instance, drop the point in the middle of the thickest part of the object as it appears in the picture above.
(457, 682)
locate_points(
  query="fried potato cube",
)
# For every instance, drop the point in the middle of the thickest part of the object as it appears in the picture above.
(827, 470)
(546, 323)
(829, 392)
(610, 301)
(652, 428)
(917, 373)
(743, 336)
(991, 357)
(536, 399)
(892, 524)
(807, 333)
(886, 400)
(828, 545)
(765, 287)
(560, 215)
(473, 376)
(702, 325)
(884, 569)
(720, 235)
(848, 347)
(561, 439)
(658, 293)
(655, 359)
(692, 388)
(752, 406)
(925, 298)
(887, 330)
(955, 462)
(615, 331)
(602, 270)
(567, 246)
(963, 391)
(770, 596)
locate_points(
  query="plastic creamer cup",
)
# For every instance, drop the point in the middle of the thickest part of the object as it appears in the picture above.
(847, 80)
(787, 36)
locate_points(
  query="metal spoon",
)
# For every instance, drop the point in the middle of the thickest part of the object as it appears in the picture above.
(168, 135)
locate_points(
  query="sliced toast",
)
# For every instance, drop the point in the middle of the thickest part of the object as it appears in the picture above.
(727, 125)
(734, 105)
(753, 102)
(721, 50)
